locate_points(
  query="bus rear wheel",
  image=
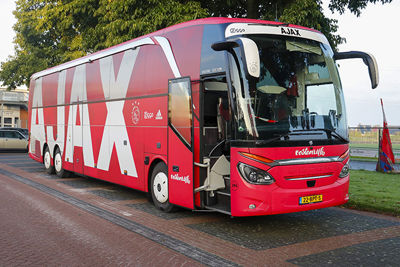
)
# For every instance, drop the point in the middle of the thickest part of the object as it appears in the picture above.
(47, 161)
(159, 188)
(58, 167)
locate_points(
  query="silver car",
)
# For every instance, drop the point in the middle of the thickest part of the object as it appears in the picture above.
(24, 131)
(13, 140)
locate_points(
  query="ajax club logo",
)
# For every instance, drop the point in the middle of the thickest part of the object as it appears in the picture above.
(135, 114)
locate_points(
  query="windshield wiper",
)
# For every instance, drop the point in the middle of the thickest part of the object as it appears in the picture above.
(267, 141)
(328, 131)
(335, 134)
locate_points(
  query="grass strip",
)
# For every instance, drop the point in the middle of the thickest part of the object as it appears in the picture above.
(374, 191)
(371, 145)
(359, 158)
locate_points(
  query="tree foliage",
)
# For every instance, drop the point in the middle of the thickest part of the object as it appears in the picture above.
(355, 6)
(50, 32)
(301, 12)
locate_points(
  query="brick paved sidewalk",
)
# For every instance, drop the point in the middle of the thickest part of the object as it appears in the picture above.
(330, 236)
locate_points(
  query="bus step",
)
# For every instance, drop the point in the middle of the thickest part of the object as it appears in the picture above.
(220, 201)
(223, 193)
(219, 208)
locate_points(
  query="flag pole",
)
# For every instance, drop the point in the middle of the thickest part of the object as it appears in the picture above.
(384, 115)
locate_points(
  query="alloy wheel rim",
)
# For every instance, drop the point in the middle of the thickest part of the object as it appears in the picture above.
(58, 162)
(47, 159)
(160, 187)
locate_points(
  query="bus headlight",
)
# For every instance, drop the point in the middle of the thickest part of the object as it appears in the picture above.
(345, 171)
(254, 175)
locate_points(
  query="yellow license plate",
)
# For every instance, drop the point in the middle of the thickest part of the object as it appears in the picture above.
(310, 199)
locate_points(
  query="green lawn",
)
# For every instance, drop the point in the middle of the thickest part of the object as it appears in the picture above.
(374, 191)
(359, 158)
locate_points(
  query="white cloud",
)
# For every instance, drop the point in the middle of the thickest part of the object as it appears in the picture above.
(6, 31)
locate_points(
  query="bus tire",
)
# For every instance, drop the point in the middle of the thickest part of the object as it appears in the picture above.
(159, 188)
(60, 172)
(47, 161)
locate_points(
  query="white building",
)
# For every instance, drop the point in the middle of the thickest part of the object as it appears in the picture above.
(14, 108)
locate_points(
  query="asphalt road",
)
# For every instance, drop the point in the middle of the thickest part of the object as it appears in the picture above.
(370, 152)
(359, 164)
(81, 221)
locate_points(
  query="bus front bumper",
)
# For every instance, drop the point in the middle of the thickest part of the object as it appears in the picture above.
(253, 200)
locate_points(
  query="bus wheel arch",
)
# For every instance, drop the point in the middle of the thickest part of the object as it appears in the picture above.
(158, 186)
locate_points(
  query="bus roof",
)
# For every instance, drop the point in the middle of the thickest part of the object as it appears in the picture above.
(145, 39)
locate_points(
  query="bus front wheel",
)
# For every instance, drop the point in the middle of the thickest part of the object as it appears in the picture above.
(159, 188)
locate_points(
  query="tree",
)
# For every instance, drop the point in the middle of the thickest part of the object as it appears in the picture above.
(301, 12)
(47, 33)
(355, 6)
(119, 21)
(50, 32)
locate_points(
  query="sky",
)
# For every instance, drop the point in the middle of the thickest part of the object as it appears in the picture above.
(375, 31)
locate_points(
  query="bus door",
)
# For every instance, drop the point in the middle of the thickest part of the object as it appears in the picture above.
(215, 147)
(180, 143)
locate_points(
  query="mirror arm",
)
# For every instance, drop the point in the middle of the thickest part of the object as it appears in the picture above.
(224, 45)
(368, 60)
(350, 54)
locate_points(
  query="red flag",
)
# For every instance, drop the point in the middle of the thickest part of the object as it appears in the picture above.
(386, 157)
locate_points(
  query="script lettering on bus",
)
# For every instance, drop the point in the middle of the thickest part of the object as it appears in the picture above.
(184, 179)
(308, 152)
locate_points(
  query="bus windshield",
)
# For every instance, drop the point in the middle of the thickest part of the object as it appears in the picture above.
(298, 95)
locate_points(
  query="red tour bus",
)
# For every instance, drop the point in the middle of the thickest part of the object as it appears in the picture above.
(240, 116)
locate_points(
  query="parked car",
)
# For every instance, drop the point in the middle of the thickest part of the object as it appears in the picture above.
(12, 139)
(24, 131)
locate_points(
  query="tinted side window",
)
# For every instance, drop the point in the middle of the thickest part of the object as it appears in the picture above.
(9, 134)
(180, 110)
(212, 61)
(19, 135)
(12, 134)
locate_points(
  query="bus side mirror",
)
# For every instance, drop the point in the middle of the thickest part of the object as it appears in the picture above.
(368, 59)
(251, 57)
(249, 53)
